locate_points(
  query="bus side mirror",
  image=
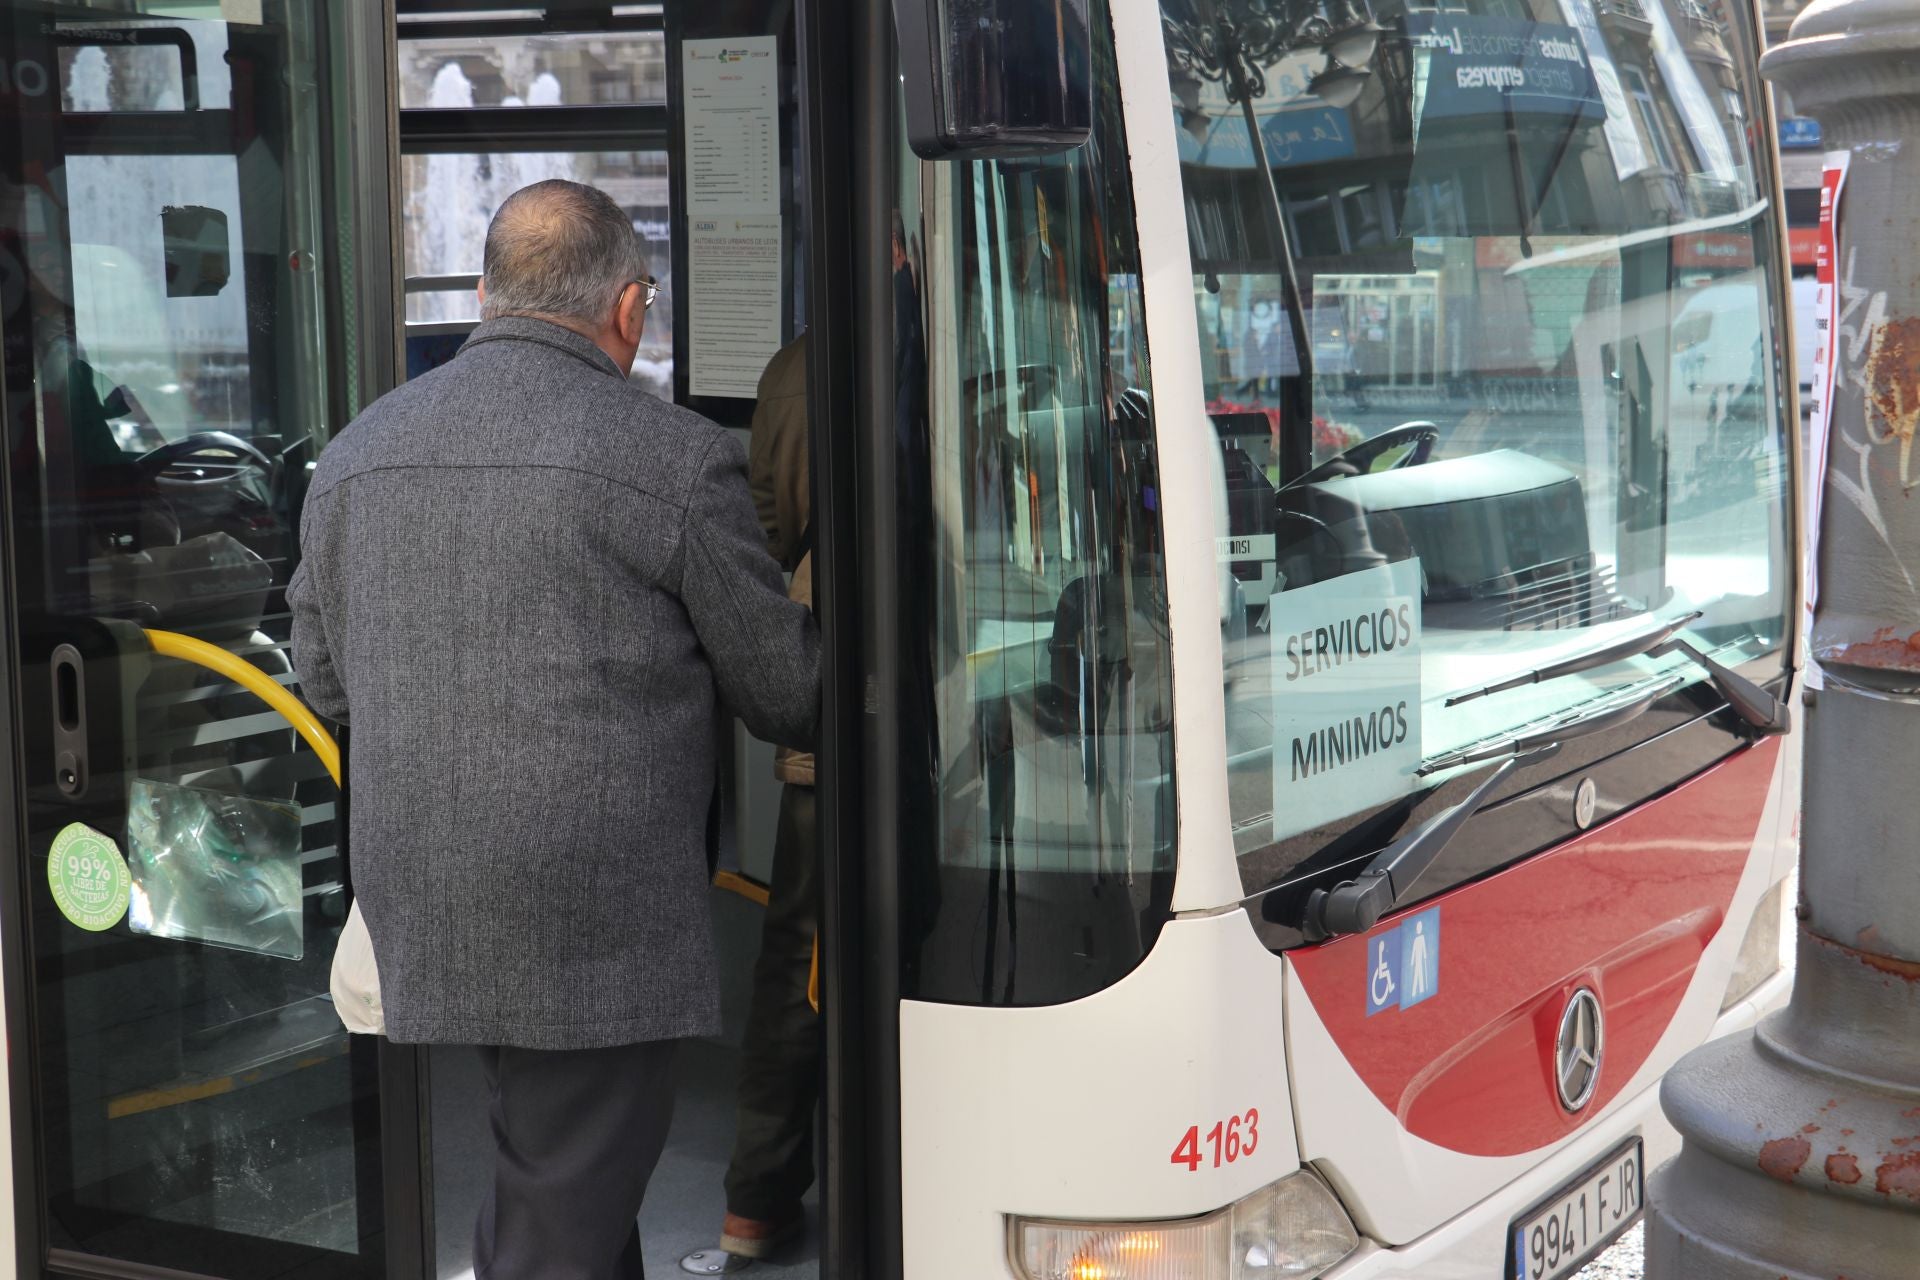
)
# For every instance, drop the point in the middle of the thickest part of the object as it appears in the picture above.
(995, 78)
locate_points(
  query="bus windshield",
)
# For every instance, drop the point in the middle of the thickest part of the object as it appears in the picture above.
(1532, 405)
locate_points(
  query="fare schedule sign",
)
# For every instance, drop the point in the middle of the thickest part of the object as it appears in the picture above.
(735, 240)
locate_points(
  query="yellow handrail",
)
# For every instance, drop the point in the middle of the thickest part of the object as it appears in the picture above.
(249, 677)
(734, 882)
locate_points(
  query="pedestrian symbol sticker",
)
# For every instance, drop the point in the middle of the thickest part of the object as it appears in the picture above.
(1403, 964)
(88, 877)
(1420, 958)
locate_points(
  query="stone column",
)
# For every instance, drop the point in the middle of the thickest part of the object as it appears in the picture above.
(1801, 1153)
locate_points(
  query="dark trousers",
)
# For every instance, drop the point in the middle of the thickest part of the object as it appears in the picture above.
(576, 1134)
(772, 1164)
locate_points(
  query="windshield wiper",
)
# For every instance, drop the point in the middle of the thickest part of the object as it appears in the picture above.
(1356, 905)
(1753, 704)
(1577, 723)
(1750, 702)
(1631, 647)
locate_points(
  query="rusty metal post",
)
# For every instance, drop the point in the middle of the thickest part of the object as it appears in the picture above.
(1801, 1153)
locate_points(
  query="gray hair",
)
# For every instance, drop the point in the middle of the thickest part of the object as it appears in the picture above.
(559, 250)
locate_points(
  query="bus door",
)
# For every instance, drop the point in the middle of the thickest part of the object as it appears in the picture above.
(689, 117)
(172, 269)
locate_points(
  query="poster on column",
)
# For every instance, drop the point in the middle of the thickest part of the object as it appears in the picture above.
(731, 95)
(1826, 311)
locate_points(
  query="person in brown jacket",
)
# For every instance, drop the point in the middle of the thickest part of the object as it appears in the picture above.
(772, 1164)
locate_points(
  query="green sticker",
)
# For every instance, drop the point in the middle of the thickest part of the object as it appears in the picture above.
(89, 878)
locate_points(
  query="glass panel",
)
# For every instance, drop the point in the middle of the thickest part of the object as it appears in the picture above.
(1032, 563)
(448, 200)
(167, 386)
(491, 70)
(1533, 406)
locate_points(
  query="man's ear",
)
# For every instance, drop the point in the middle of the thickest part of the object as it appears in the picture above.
(630, 315)
(481, 291)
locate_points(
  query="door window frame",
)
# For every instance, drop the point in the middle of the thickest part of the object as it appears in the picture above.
(361, 165)
(845, 58)
(846, 64)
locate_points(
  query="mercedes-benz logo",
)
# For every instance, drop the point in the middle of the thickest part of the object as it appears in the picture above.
(1577, 1053)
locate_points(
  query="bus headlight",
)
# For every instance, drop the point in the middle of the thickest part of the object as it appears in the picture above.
(1293, 1229)
(1759, 957)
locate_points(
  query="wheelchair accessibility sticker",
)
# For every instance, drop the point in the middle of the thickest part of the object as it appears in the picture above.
(1403, 964)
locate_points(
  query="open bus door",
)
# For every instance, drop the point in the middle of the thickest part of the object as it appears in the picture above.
(176, 266)
(212, 254)
(693, 118)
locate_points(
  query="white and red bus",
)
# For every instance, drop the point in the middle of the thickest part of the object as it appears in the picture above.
(1304, 507)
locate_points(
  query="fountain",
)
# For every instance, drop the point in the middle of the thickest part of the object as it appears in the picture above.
(89, 80)
(451, 210)
(448, 213)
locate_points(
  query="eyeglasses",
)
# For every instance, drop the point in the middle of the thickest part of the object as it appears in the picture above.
(652, 288)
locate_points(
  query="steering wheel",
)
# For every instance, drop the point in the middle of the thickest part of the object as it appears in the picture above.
(211, 445)
(1358, 459)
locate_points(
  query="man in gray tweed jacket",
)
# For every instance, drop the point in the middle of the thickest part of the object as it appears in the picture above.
(525, 585)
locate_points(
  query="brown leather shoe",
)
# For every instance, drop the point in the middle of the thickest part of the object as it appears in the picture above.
(752, 1238)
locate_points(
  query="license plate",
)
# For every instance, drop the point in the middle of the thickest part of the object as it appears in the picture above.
(1559, 1236)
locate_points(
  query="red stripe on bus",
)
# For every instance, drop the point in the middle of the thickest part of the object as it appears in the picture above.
(1625, 909)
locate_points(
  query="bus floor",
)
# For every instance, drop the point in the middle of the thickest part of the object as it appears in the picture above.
(686, 1199)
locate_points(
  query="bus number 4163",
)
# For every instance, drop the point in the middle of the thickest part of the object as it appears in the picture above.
(1227, 1141)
